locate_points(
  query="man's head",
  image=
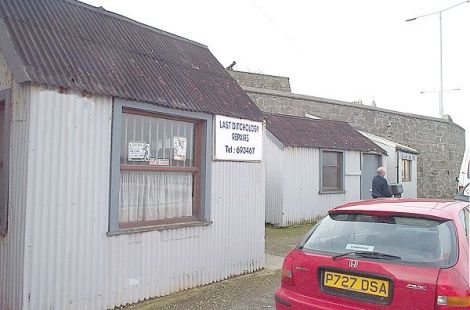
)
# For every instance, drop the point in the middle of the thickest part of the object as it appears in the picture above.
(381, 171)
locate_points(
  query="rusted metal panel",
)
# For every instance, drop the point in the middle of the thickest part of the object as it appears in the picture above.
(70, 261)
(70, 44)
(298, 131)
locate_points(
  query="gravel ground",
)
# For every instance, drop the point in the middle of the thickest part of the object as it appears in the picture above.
(254, 291)
(251, 291)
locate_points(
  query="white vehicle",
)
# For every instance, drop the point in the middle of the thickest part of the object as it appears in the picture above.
(464, 178)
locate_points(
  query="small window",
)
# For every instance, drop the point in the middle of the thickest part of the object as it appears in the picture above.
(406, 170)
(332, 175)
(160, 160)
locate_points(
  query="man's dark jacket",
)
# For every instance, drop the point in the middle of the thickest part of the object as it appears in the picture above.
(380, 187)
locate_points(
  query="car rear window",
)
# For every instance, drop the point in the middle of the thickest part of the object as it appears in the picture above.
(417, 241)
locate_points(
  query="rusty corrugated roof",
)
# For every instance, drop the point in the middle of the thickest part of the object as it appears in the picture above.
(70, 44)
(298, 131)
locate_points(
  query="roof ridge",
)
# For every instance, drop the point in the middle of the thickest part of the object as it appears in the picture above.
(305, 118)
(103, 11)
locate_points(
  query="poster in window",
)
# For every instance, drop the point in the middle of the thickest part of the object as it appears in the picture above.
(179, 145)
(138, 151)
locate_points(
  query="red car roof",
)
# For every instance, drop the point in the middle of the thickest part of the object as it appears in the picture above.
(431, 208)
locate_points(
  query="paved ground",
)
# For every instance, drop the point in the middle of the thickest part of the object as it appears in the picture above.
(253, 291)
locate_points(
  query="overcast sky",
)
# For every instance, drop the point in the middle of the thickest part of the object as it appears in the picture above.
(338, 49)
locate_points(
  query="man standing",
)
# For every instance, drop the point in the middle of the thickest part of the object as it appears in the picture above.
(380, 184)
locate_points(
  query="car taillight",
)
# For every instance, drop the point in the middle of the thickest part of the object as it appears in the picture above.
(286, 272)
(450, 302)
(452, 291)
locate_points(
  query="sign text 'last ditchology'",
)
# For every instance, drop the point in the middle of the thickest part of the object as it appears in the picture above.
(238, 139)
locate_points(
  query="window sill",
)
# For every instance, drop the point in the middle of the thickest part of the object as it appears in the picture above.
(332, 192)
(140, 229)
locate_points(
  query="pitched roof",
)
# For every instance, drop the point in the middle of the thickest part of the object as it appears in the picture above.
(74, 45)
(318, 133)
(387, 142)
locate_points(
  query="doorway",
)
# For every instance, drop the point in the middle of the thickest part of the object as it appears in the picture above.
(369, 165)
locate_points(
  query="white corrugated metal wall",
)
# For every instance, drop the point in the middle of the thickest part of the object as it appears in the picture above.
(392, 163)
(301, 201)
(352, 177)
(273, 161)
(70, 261)
(410, 189)
(12, 245)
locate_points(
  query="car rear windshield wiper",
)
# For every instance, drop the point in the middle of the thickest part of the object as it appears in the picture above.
(377, 255)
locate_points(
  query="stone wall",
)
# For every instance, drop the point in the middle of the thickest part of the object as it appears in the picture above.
(441, 142)
(264, 81)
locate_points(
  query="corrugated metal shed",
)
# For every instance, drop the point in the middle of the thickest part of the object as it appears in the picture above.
(69, 261)
(70, 44)
(293, 184)
(318, 133)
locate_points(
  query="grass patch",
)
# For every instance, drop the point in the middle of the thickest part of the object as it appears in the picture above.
(280, 240)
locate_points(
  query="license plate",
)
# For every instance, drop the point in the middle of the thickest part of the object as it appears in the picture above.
(365, 285)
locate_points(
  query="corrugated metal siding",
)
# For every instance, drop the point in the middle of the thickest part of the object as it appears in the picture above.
(72, 264)
(389, 162)
(71, 44)
(410, 189)
(274, 162)
(301, 184)
(12, 245)
(352, 176)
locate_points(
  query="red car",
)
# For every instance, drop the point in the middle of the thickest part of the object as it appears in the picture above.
(382, 254)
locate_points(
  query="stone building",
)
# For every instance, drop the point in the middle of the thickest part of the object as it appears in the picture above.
(440, 142)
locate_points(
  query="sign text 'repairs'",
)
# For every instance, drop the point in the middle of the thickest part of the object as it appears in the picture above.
(238, 139)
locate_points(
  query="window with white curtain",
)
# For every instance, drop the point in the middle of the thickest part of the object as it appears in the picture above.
(159, 169)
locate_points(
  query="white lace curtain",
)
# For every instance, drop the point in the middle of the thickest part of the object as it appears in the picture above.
(148, 196)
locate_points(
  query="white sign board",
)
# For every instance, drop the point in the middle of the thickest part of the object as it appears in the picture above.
(407, 156)
(138, 151)
(237, 139)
